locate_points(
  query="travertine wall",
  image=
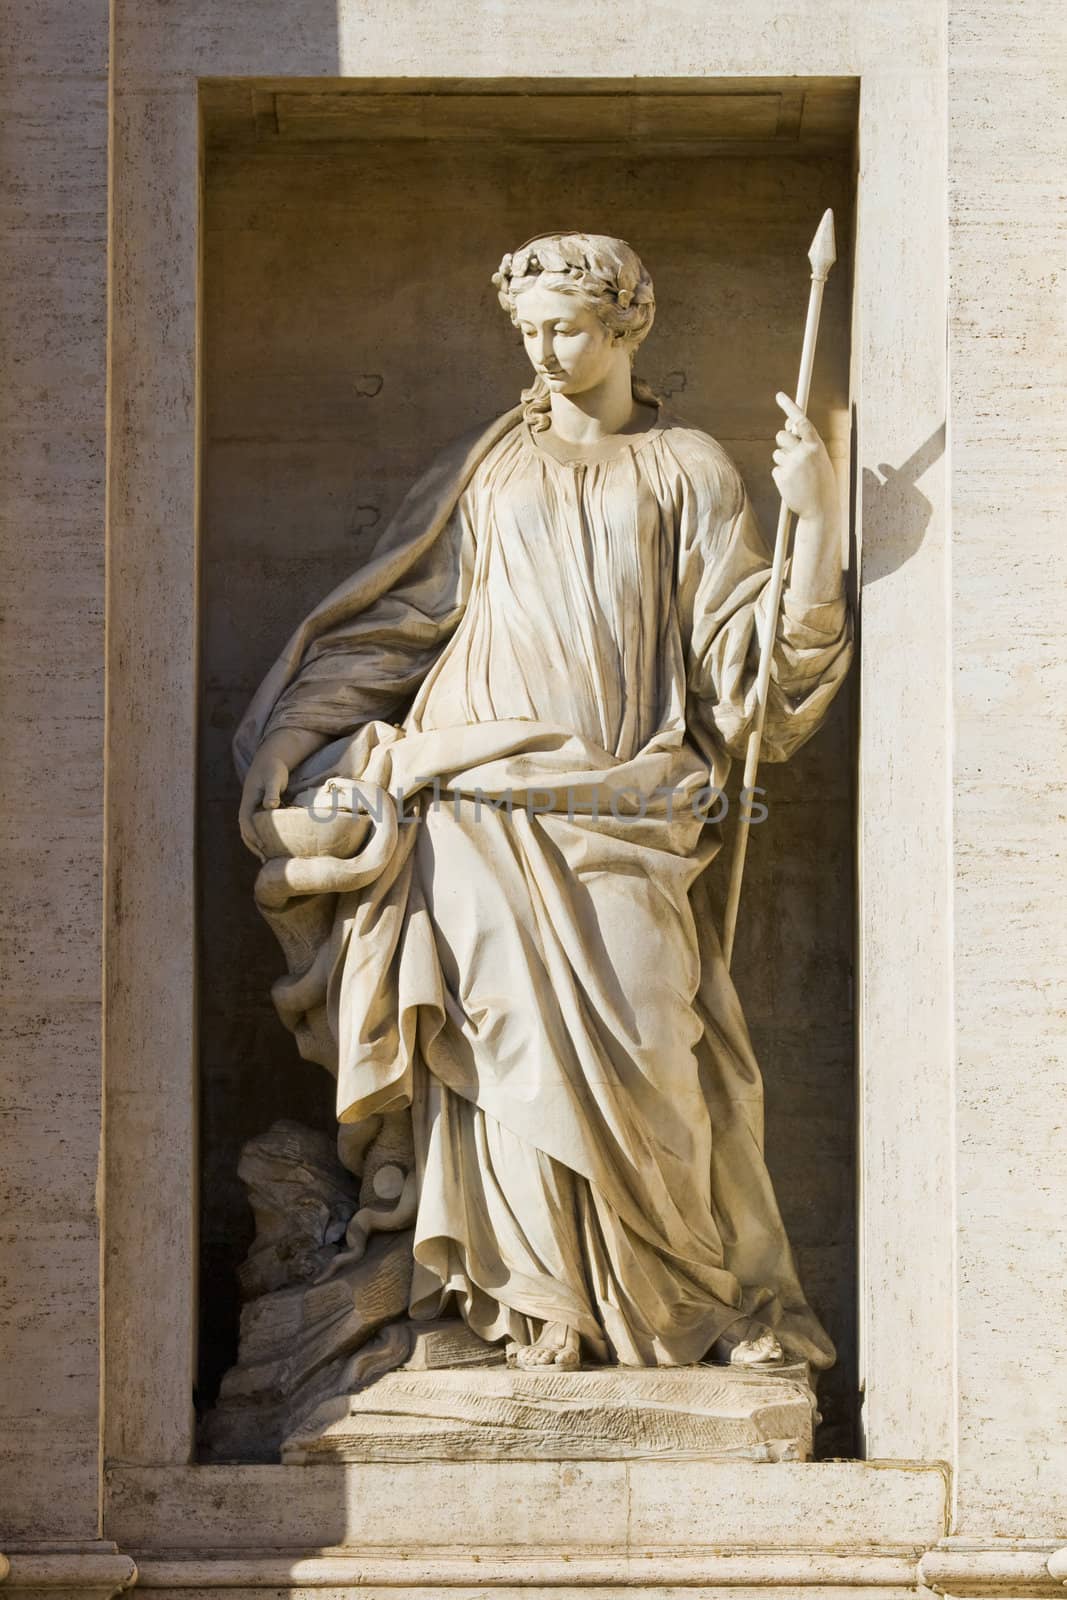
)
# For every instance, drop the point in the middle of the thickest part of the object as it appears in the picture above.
(351, 331)
(1008, 355)
(53, 305)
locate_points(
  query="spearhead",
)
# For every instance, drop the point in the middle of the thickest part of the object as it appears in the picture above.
(823, 252)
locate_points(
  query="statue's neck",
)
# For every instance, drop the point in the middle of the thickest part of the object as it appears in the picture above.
(595, 414)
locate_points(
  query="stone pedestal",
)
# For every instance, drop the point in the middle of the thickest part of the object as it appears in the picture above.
(491, 1414)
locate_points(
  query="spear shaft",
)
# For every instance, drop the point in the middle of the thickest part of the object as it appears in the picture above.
(822, 256)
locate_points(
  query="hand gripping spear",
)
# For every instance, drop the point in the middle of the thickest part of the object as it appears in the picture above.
(822, 255)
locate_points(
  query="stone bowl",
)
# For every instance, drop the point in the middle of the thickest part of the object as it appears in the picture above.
(297, 831)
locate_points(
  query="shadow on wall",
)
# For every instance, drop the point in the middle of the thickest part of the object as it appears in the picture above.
(893, 503)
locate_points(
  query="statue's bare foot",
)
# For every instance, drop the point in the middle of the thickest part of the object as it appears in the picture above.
(748, 1345)
(557, 1347)
(757, 1352)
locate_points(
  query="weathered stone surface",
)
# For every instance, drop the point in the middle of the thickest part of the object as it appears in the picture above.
(316, 1296)
(632, 1505)
(450, 1343)
(53, 450)
(294, 1332)
(301, 1345)
(302, 1198)
(685, 1413)
(1008, 364)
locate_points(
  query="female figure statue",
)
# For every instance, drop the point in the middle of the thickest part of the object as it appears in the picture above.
(522, 706)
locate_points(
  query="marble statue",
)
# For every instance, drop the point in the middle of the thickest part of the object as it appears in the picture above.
(482, 779)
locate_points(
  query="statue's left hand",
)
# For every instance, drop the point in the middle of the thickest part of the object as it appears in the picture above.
(802, 471)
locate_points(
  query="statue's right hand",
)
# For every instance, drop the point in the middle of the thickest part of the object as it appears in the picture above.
(266, 782)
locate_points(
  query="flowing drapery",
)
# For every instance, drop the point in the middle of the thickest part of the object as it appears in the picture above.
(547, 667)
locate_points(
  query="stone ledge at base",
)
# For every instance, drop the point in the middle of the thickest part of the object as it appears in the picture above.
(999, 1568)
(605, 1413)
(97, 1572)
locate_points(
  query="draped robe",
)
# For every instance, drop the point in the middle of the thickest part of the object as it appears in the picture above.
(541, 675)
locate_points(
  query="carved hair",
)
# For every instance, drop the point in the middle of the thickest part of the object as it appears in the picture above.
(604, 273)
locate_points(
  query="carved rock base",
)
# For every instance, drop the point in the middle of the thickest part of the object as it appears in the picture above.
(302, 1344)
(606, 1413)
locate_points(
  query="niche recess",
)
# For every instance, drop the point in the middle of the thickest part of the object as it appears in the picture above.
(349, 331)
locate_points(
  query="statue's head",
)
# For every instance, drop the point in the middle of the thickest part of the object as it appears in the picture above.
(582, 302)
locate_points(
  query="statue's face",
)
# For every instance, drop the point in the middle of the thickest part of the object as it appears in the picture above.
(565, 340)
